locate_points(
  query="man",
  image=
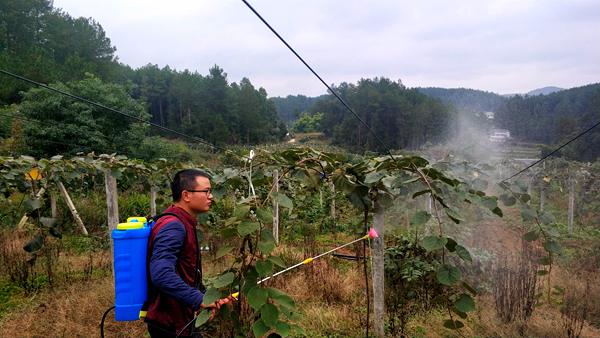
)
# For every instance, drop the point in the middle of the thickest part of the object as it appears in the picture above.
(175, 289)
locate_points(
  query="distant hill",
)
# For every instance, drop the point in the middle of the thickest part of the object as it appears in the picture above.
(290, 107)
(544, 91)
(555, 118)
(463, 99)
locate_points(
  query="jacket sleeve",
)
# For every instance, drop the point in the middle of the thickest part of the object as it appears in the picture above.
(168, 244)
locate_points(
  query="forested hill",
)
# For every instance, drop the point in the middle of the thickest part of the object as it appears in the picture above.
(555, 118)
(290, 107)
(47, 45)
(400, 117)
(466, 100)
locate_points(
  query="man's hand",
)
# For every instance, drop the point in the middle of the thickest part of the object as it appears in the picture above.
(217, 305)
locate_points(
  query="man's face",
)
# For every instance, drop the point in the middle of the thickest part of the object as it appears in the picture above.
(199, 201)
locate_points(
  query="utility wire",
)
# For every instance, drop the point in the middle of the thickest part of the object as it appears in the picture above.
(99, 105)
(322, 81)
(553, 152)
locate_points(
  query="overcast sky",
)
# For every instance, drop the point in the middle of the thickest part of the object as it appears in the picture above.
(501, 46)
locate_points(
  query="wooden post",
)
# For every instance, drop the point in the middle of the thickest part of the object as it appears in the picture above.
(276, 207)
(53, 207)
(152, 201)
(571, 204)
(542, 195)
(67, 198)
(112, 201)
(378, 273)
(332, 212)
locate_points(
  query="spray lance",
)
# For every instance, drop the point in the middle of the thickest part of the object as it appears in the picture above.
(370, 235)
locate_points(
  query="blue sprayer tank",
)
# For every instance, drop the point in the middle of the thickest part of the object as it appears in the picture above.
(130, 246)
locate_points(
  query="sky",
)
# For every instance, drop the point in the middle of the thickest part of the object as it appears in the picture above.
(504, 46)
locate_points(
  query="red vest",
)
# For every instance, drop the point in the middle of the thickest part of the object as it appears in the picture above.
(163, 310)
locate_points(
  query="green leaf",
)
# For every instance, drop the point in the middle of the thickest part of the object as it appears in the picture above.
(547, 218)
(277, 261)
(265, 215)
(546, 260)
(420, 218)
(508, 200)
(259, 329)
(283, 200)
(453, 216)
(257, 297)
(531, 236)
(282, 298)
(431, 243)
(241, 211)
(211, 296)
(264, 268)
(283, 329)
(224, 250)
(498, 211)
(54, 231)
(542, 272)
(267, 242)
(451, 244)
(453, 325)
(464, 303)
(448, 274)
(419, 193)
(228, 232)
(224, 280)
(202, 318)
(246, 228)
(269, 314)
(552, 246)
(35, 244)
(33, 204)
(47, 221)
(528, 214)
(373, 177)
(463, 253)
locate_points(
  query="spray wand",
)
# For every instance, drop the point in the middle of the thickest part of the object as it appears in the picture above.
(370, 235)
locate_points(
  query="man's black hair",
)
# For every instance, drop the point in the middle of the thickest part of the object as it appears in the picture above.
(185, 180)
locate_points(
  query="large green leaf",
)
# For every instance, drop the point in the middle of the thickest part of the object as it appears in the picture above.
(448, 274)
(211, 296)
(552, 246)
(547, 218)
(265, 215)
(269, 314)
(259, 329)
(282, 298)
(247, 227)
(33, 204)
(257, 297)
(464, 303)
(264, 268)
(224, 280)
(224, 250)
(420, 218)
(528, 214)
(283, 329)
(242, 211)
(277, 261)
(202, 318)
(431, 243)
(283, 200)
(531, 236)
(373, 177)
(267, 242)
(463, 253)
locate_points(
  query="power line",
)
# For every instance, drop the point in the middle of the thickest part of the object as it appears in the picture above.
(321, 79)
(553, 152)
(99, 105)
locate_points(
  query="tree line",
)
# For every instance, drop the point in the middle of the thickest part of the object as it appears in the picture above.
(46, 44)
